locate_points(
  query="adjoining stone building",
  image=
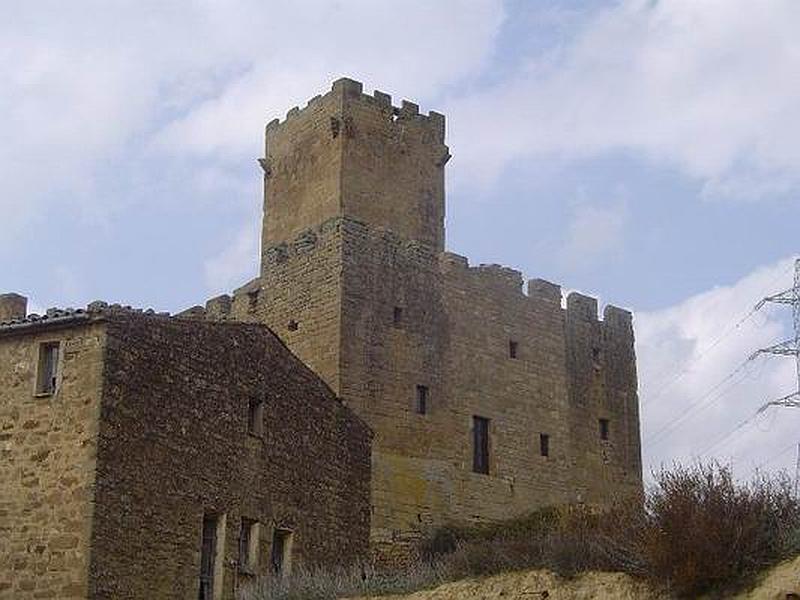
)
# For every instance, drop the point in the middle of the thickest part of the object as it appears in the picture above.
(143, 456)
(486, 401)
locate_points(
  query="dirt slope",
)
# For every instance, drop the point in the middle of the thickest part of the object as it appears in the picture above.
(533, 585)
(777, 584)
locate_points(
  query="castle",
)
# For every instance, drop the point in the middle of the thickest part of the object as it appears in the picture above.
(482, 401)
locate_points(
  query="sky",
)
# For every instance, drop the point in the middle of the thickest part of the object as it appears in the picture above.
(642, 151)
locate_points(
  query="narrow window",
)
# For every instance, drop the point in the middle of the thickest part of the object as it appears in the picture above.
(512, 349)
(544, 444)
(248, 545)
(255, 417)
(603, 429)
(422, 400)
(480, 445)
(47, 370)
(281, 551)
(208, 555)
(293, 325)
(397, 317)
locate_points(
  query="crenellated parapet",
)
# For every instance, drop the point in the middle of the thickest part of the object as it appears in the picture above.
(355, 155)
(347, 93)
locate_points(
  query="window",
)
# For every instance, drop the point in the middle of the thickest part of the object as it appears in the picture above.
(293, 325)
(281, 551)
(248, 545)
(397, 317)
(212, 550)
(480, 445)
(255, 417)
(512, 349)
(422, 400)
(47, 370)
(544, 444)
(603, 429)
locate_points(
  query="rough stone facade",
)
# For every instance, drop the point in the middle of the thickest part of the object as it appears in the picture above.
(106, 481)
(48, 448)
(355, 280)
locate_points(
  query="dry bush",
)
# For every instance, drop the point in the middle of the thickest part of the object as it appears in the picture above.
(703, 530)
(696, 531)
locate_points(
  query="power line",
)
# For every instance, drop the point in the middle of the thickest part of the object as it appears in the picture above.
(774, 457)
(705, 401)
(687, 368)
(719, 439)
(789, 347)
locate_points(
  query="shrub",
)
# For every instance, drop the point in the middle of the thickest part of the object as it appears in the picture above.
(696, 530)
(703, 530)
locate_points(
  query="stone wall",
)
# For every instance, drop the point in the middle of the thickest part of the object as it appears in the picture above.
(174, 445)
(458, 323)
(355, 281)
(47, 463)
(352, 154)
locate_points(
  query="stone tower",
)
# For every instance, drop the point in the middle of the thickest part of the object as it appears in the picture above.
(355, 156)
(486, 401)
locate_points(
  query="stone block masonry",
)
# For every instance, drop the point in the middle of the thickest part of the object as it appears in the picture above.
(48, 446)
(355, 279)
(156, 424)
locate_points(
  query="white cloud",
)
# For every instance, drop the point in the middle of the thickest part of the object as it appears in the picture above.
(709, 87)
(690, 400)
(594, 232)
(237, 263)
(90, 87)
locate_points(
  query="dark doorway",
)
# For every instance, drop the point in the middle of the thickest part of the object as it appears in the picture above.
(281, 548)
(208, 548)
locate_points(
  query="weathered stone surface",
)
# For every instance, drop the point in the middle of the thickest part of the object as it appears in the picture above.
(47, 464)
(106, 482)
(373, 203)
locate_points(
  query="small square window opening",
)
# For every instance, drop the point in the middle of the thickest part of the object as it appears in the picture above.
(604, 426)
(513, 347)
(397, 316)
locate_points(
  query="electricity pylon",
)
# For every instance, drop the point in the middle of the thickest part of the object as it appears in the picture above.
(788, 347)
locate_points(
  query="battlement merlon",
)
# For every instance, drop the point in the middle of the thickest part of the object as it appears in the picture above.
(584, 308)
(345, 91)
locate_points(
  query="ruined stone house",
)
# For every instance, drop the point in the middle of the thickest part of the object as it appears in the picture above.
(487, 398)
(147, 457)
